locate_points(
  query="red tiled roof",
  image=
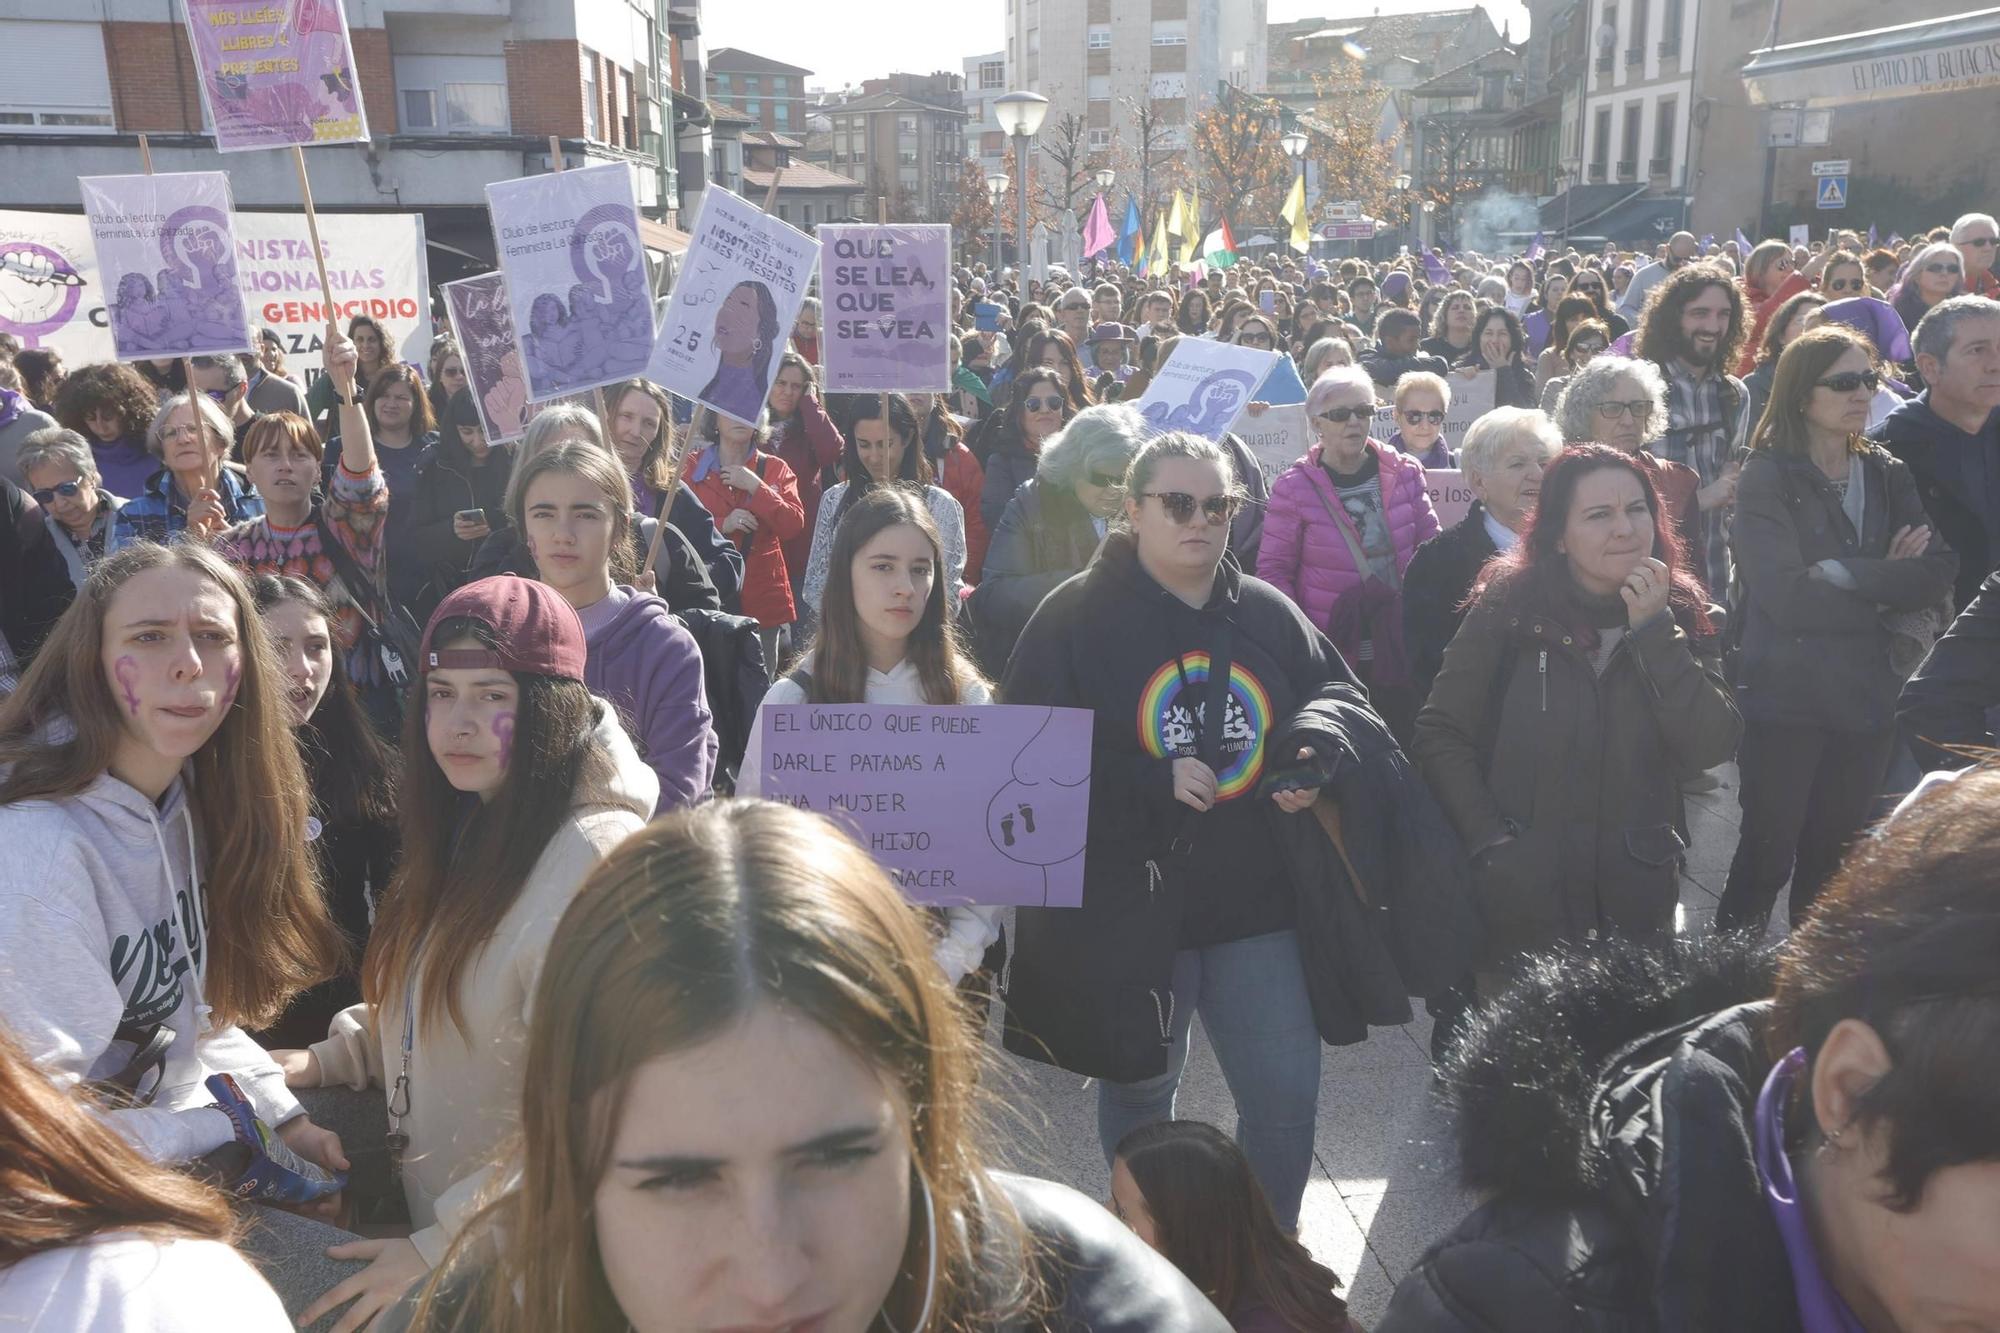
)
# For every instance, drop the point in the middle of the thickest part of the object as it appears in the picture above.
(800, 176)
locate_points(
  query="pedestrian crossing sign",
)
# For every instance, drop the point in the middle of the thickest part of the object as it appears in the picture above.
(1832, 191)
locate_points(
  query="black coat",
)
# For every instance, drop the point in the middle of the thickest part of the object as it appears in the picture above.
(1089, 987)
(1606, 1109)
(1945, 703)
(432, 561)
(1044, 537)
(1435, 585)
(1815, 654)
(1939, 456)
(1096, 1276)
(35, 587)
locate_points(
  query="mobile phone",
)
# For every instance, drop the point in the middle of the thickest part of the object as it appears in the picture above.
(1303, 775)
(470, 516)
(1267, 302)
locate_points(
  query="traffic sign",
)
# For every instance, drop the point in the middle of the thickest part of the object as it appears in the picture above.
(1347, 231)
(1341, 210)
(1833, 192)
(1835, 167)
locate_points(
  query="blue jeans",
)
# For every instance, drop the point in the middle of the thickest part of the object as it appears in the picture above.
(1252, 998)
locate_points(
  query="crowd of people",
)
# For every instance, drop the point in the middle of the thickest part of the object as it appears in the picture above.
(399, 941)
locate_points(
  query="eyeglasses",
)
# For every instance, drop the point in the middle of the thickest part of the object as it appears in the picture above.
(1983, 242)
(1051, 404)
(1413, 417)
(1254, 339)
(68, 490)
(1586, 348)
(1180, 506)
(1340, 416)
(1845, 285)
(1104, 479)
(1073, 308)
(1850, 380)
(1942, 268)
(1637, 408)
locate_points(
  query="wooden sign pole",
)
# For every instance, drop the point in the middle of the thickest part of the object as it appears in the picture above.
(346, 391)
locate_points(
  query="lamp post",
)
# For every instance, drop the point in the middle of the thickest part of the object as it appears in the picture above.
(1019, 115)
(1402, 184)
(996, 190)
(1423, 238)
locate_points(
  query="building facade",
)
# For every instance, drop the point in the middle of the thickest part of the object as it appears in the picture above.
(906, 149)
(458, 93)
(985, 79)
(770, 92)
(1639, 92)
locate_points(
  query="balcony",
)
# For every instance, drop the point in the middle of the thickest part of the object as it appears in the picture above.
(1635, 55)
(1597, 173)
(1627, 170)
(1659, 168)
(1604, 64)
(1670, 48)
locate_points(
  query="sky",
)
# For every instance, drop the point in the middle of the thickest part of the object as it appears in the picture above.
(919, 36)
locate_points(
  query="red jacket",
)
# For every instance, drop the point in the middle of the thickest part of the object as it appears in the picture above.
(810, 444)
(963, 479)
(767, 587)
(1762, 308)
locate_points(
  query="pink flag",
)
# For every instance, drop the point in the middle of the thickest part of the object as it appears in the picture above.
(1097, 234)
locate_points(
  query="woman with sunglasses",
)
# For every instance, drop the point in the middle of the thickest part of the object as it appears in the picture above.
(1197, 676)
(1586, 341)
(447, 374)
(1038, 409)
(1843, 277)
(1422, 399)
(1572, 312)
(1339, 530)
(1794, 317)
(1771, 277)
(1833, 548)
(1591, 283)
(62, 477)
(1935, 274)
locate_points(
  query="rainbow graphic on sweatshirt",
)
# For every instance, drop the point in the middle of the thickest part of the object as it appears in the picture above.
(1170, 719)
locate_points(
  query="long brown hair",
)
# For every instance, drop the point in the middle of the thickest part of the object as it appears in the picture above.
(840, 663)
(270, 933)
(1782, 428)
(659, 467)
(1215, 1224)
(66, 1178)
(1660, 338)
(689, 925)
(463, 867)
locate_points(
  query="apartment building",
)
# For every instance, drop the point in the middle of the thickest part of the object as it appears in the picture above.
(903, 137)
(770, 92)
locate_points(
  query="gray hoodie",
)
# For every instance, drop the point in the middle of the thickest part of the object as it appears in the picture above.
(106, 923)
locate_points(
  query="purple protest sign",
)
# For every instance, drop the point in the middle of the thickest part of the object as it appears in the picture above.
(576, 276)
(484, 324)
(888, 308)
(276, 72)
(166, 259)
(982, 805)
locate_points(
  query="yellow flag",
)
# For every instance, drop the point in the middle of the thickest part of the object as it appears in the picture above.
(1193, 222)
(1176, 226)
(1294, 212)
(1156, 253)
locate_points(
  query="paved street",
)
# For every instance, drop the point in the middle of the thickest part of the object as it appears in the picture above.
(1385, 1186)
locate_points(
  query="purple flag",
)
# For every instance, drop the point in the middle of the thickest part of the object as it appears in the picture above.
(1535, 247)
(1097, 233)
(277, 75)
(1435, 270)
(1871, 236)
(1895, 239)
(1743, 242)
(1708, 240)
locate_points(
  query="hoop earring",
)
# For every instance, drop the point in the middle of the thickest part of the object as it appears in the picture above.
(930, 1261)
(756, 344)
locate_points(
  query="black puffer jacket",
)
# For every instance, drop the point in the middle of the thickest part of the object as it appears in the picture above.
(1607, 1104)
(1439, 576)
(1095, 1275)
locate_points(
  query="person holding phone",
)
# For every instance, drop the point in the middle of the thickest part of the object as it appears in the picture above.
(459, 501)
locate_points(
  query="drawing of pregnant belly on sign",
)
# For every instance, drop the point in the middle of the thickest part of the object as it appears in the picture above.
(1039, 818)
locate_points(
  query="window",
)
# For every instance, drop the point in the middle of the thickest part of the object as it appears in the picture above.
(992, 74)
(593, 103)
(1100, 37)
(1663, 133)
(778, 85)
(419, 109)
(475, 108)
(907, 178)
(1670, 27)
(1628, 159)
(721, 82)
(1640, 13)
(62, 81)
(751, 84)
(906, 124)
(1100, 139)
(809, 215)
(781, 112)
(1100, 87)
(1600, 148)
(1169, 32)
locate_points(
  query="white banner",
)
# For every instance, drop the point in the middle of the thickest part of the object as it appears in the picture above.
(738, 296)
(1203, 386)
(51, 296)
(1278, 437)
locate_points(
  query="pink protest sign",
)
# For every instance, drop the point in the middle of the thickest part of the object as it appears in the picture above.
(984, 805)
(276, 73)
(166, 256)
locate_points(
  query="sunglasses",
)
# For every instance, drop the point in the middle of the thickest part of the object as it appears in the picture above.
(1845, 285)
(1104, 479)
(1983, 242)
(1942, 268)
(1413, 417)
(1849, 381)
(1255, 340)
(1587, 348)
(1340, 416)
(1072, 309)
(68, 490)
(1180, 506)
(1637, 408)
(1039, 404)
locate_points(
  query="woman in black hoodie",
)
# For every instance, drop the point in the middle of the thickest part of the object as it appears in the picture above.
(1195, 673)
(464, 473)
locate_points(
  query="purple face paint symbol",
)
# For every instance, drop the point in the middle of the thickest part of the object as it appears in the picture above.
(503, 727)
(126, 669)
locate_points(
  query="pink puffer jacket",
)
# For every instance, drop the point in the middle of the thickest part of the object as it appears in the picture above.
(1305, 556)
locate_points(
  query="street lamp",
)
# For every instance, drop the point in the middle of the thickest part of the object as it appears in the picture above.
(1019, 116)
(1423, 238)
(1105, 175)
(996, 189)
(1401, 181)
(1294, 144)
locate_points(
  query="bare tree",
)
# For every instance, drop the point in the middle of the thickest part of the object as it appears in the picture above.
(1065, 143)
(1153, 147)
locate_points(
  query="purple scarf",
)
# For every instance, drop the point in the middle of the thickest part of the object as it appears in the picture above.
(10, 407)
(1821, 1310)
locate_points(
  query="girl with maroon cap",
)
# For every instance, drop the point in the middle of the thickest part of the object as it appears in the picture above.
(518, 781)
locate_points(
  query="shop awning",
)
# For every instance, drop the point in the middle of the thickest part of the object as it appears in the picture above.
(1929, 56)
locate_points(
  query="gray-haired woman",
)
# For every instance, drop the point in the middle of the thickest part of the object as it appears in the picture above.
(1053, 525)
(1622, 402)
(62, 476)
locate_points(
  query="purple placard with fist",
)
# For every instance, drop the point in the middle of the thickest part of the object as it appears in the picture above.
(984, 805)
(166, 257)
(275, 73)
(887, 311)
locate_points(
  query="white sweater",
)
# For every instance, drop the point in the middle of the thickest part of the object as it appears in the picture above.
(105, 922)
(122, 1282)
(945, 512)
(969, 931)
(465, 1090)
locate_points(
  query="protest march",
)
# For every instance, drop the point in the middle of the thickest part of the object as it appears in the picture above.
(628, 757)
